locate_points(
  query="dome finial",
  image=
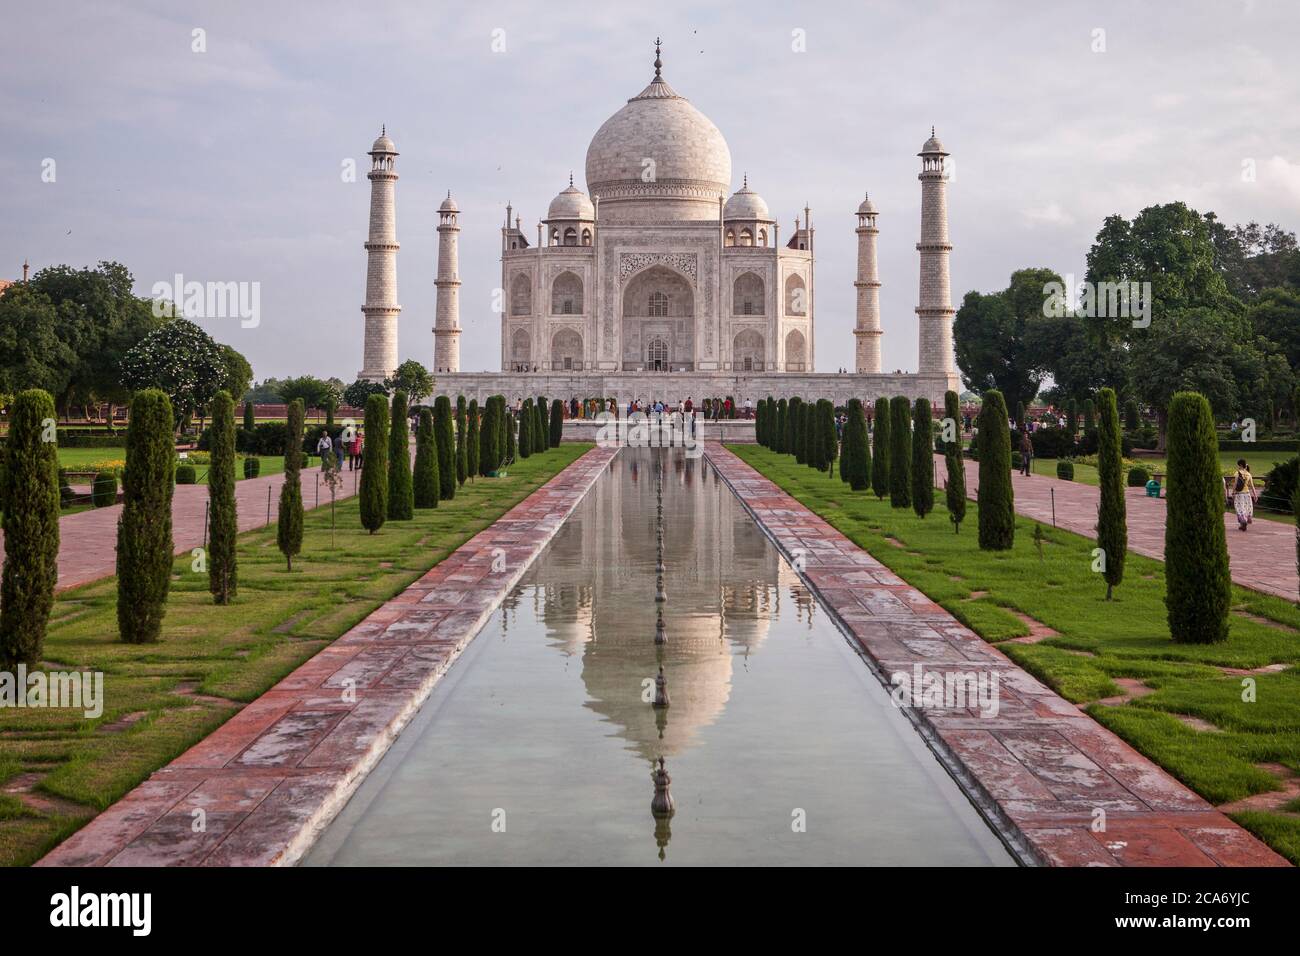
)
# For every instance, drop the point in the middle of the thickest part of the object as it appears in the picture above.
(658, 63)
(745, 184)
(931, 130)
(571, 179)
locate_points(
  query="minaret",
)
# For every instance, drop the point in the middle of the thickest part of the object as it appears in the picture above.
(935, 311)
(868, 332)
(381, 308)
(446, 323)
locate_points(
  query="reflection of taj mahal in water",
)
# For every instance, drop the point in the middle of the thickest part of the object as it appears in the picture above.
(717, 609)
(658, 281)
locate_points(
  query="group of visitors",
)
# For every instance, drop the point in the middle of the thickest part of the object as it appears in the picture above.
(341, 447)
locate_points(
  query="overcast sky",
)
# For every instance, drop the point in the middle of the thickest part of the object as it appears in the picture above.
(225, 165)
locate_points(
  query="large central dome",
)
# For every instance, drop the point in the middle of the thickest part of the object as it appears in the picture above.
(658, 158)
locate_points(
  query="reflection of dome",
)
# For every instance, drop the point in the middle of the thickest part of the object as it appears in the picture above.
(746, 204)
(660, 149)
(571, 204)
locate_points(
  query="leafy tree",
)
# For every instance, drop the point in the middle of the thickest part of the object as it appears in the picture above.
(880, 480)
(288, 529)
(900, 452)
(308, 389)
(223, 523)
(401, 501)
(997, 508)
(237, 374)
(412, 378)
(992, 337)
(33, 355)
(922, 458)
(444, 431)
(356, 394)
(180, 359)
(1112, 520)
(1275, 315)
(1132, 420)
(462, 438)
(427, 486)
(955, 486)
(31, 538)
(144, 528)
(374, 465)
(1253, 258)
(1198, 583)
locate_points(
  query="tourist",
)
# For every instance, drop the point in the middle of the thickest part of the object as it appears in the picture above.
(361, 448)
(689, 406)
(1244, 495)
(1026, 454)
(324, 446)
(338, 451)
(354, 452)
(749, 408)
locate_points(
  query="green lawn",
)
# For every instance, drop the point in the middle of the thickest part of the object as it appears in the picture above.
(85, 459)
(1098, 641)
(224, 655)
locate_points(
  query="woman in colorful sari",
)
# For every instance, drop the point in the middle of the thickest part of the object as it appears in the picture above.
(1243, 494)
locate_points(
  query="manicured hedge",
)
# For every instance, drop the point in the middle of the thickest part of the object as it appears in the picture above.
(1138, 477)
(252, 467)
(185, 475)
(104, 490)
(1065, 470)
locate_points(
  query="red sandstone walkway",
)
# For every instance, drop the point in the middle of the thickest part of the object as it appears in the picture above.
(1041, 765)
(1262, 558)
(88, 539)
(269, 779)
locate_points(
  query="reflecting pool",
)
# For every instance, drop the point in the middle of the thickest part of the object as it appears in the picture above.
(539, 745)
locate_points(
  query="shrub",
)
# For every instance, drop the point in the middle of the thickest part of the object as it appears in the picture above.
(444, 432)
(1198, 583)
(1017, 462)
(185, 475)
(900, 452)
(31, 538)
(997, 509)
(252, 467)
(1112, 519)
(955, 487)
(401, 498)
(288, 529)
(1138, 477)
(144, 529)
(880, 449)
(1052, 442)
(922, 458)
(1280, 483)
(223, 522)
(426, 487)
(104, 490)
(1065, 469)
(374, 465)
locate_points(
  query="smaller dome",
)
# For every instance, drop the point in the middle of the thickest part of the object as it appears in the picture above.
(383, 144)
(868, 208)
(932, 145)
(746, 204)
(572, 203)
(449, 204)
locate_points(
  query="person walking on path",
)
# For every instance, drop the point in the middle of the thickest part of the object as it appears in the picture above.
(1244, 495)
(324, 446)
(1026, 454)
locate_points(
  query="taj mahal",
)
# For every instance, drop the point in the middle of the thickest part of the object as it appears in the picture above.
(659, 282)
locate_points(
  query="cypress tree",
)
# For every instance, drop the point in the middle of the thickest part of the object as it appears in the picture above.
(556, 423)
(922, 458)
(880, 450)
(794, 437)
(144, 529)
(759, 414)
(512, 437)
(444, 432)
(288, 528)
(223, 569)
(1198, 583)
(1132, 420)
(401, 497)
(900, 452)
(425, 485)
(1089, 416)
(374, 465)
(31, 476)
(997, 507)
(544, 438)
(539, 430)
(857, 450)
(807, 434)
(462, 436)
(472, 438)
(830, 443)
(525, 436)
(250, 420)
(1072, 417)
(782, 424)
(1112, 528)
(955, 487)
(492, 436)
